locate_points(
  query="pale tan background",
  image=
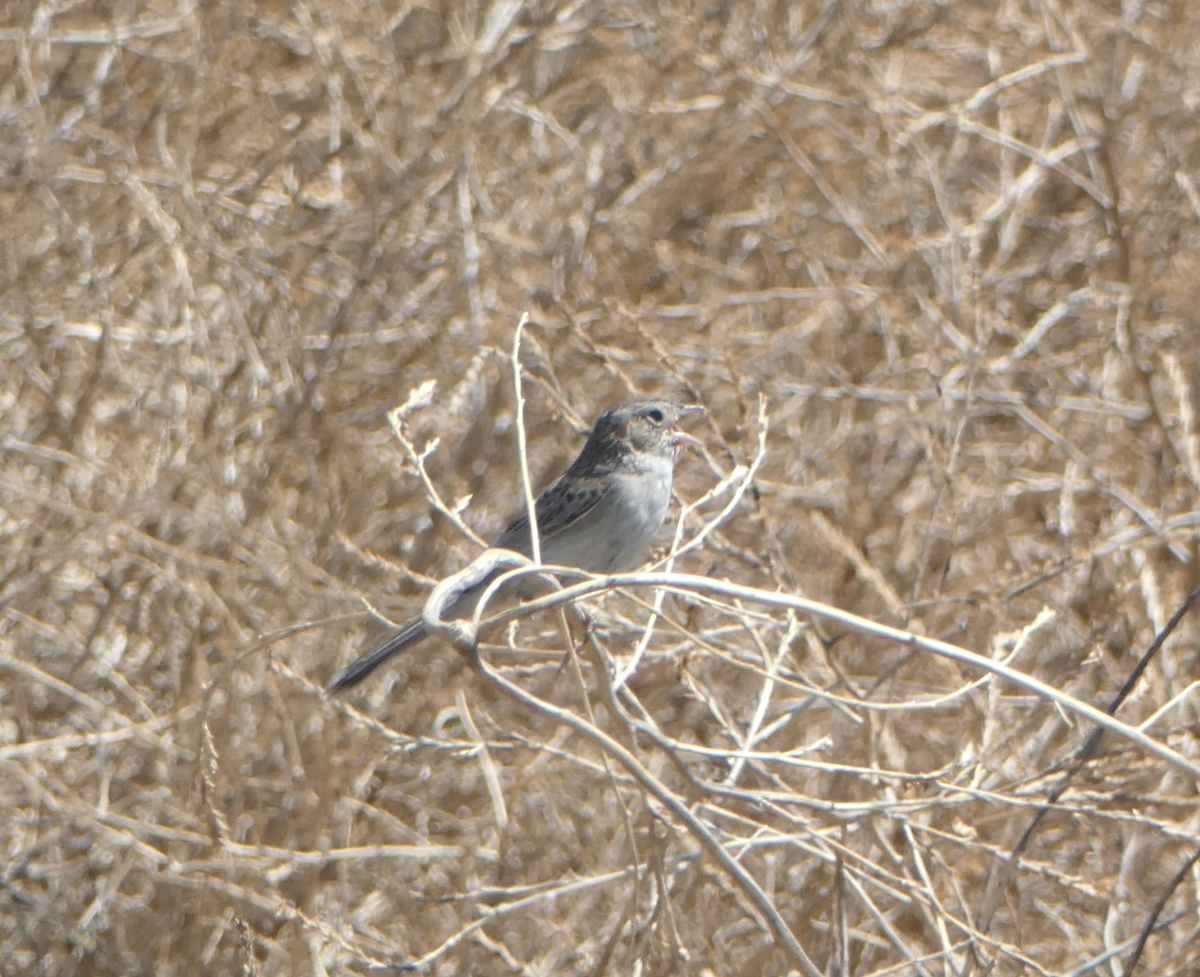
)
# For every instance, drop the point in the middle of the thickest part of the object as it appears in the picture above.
(953, 246)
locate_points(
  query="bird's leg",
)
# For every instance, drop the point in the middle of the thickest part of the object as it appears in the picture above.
(587, 624)
(584, 625)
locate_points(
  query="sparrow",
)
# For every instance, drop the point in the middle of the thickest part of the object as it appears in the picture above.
(600, 515)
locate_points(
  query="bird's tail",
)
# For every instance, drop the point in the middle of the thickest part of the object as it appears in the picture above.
(360, 668)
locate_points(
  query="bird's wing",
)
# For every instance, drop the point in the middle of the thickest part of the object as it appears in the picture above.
(562, 505)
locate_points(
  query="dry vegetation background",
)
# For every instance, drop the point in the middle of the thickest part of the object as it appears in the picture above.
(953, 246)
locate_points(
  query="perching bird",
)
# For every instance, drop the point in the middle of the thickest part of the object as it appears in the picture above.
(601, 515)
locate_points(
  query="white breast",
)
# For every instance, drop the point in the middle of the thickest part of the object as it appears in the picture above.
(616, 534)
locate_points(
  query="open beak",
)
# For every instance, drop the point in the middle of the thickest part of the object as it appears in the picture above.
(679, 438)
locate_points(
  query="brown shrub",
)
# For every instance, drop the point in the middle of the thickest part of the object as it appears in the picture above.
(952, 246)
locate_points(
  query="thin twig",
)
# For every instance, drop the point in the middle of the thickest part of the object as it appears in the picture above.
(522, 453)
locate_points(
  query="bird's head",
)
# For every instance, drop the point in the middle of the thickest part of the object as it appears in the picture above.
(646, 426)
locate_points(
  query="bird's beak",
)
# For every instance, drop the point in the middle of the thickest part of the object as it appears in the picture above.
(679, 438)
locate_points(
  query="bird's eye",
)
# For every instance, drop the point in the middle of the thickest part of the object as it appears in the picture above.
(654, 416)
